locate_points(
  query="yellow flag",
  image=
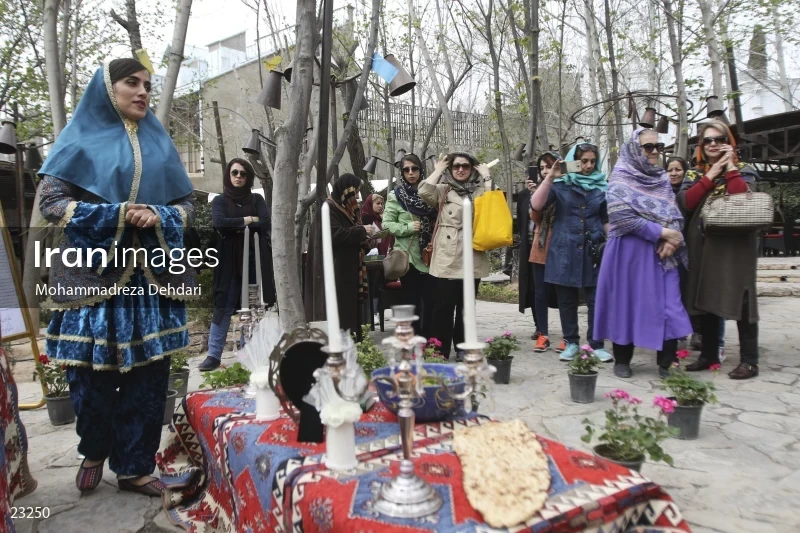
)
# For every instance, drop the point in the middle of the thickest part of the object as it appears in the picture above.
(144, 59)
(273, 62)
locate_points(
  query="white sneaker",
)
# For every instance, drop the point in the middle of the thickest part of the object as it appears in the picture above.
(721, 354)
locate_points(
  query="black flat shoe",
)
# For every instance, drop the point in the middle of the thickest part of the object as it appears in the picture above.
(210, 363)
(700, 364)
(623, 371)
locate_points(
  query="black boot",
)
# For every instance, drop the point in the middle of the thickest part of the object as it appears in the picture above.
(210, 363)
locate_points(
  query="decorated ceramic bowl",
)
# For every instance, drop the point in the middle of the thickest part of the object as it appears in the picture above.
(435, 403)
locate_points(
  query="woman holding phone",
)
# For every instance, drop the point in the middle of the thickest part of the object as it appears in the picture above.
(722, 267)
(581, 220)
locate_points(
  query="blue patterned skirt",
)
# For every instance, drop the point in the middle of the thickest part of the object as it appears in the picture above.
(121, 332)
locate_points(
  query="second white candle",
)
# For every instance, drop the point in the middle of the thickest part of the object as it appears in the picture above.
(331, 303)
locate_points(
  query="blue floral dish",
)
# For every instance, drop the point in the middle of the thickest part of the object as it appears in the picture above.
(435, 404)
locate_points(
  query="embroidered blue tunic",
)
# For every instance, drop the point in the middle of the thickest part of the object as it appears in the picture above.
(117, 316)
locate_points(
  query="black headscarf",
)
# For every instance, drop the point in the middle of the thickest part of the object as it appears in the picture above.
(409, 199)
(122, 68)
(240, 196)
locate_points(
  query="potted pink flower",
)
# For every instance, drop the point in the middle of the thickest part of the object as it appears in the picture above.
(690, 395)
(583, 376)
(628, 438)
(59, 404)
(498, 354)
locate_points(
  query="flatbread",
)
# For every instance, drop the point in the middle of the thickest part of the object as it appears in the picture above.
(506, 474)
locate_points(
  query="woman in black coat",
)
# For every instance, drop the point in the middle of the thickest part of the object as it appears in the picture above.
(231, 211)
(349, 237)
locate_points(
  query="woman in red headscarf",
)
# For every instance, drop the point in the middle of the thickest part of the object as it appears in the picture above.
(372, 213)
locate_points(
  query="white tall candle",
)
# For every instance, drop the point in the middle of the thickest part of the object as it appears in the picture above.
(470, 333)
(258, 269)
(246, 268)
(331, 304)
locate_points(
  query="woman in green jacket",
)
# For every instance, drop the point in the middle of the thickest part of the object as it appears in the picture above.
(411, 222)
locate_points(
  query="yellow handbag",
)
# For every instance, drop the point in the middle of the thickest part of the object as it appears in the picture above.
(492, 223)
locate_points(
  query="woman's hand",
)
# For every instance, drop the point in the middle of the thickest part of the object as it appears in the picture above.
(416, 226)
(441, 165)
(672, 236)
(665, 249)
(483, 170)
(720, 167)
(141, 216)
(370, 230)
(555, 171)
(530, 185)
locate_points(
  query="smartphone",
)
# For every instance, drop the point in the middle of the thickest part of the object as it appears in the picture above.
(570, 166)
(533, 173)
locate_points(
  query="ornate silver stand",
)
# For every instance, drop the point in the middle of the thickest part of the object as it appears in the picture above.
(408, 496)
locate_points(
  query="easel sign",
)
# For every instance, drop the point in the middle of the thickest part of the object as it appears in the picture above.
(15, 321)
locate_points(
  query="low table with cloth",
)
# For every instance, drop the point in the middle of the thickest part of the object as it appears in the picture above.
(227, 471)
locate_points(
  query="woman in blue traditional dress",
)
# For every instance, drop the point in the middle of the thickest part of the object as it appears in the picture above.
(580, 221)
(639, 289)
(115, 184)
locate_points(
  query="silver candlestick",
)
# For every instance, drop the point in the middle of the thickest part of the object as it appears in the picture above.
(407, 495)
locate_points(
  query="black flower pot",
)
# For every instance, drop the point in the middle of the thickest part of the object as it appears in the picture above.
(60, 410)
(582, 386)
(686, 418)
(182, 387)
(601, 450)
(503, 366)
(169, 409)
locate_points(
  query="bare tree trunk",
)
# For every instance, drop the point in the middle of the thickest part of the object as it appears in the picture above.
(289, 139)
(175, 60)
(714, 55)
(785, 90)
(73, 93)
(560, 74)
(591, 27)
(682, 139)
(64, 43)
(532, 30)
(612, 61)
(590, 55)
(131, 25)
(448, 116)
(450, 91)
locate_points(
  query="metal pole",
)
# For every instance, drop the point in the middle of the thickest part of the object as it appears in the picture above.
(21, 201)
(223, 161)
(318, 295)
(737, 101)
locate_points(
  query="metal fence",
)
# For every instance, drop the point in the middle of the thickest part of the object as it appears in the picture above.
(469, 129)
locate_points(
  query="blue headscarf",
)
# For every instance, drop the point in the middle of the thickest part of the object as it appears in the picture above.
(117, 159)
(595, 180)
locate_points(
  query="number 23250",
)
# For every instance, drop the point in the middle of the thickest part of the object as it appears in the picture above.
(30, 512)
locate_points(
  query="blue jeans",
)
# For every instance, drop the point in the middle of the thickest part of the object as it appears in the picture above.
(568, 309)
(219, 332)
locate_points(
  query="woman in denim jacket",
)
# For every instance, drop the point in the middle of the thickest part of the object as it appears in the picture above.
(581, 218)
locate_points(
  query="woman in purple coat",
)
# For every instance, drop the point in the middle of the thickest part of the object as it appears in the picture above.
(638, 291)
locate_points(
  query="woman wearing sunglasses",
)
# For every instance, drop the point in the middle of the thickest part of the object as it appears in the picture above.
(722, 277)
(581, 218)
(231, 211)
(411, 222)
(638, 291)
(461, 177)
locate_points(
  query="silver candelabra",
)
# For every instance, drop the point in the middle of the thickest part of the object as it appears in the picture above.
(248, 318)
(407, 495)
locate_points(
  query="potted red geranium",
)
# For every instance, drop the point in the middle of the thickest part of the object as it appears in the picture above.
(59, 404)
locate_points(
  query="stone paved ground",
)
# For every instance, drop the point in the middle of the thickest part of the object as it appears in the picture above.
(742, 475)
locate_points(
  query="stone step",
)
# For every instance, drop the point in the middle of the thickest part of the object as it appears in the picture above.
(778, 276)
(779, 263)
(783, 289)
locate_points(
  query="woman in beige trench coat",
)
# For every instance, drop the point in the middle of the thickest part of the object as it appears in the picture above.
(456, 177)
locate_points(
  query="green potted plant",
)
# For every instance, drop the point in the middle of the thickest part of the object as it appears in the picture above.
(231, 376)
(179, 373)
(59, 405)
(627, 437)
(583, 376)
(498, 354)
(431, 353)
(370, 356)
(691, 395)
